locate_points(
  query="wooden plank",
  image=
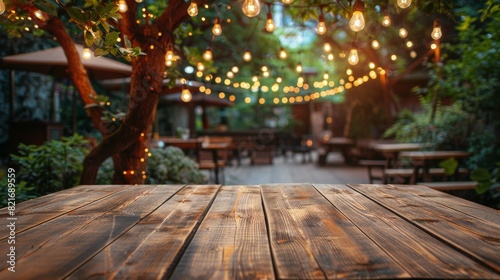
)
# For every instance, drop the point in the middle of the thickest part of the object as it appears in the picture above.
(231, 242)
(150, 249)
(311, 239)
(478, 238)
(420, 254)
(59, 246)
(45, 208)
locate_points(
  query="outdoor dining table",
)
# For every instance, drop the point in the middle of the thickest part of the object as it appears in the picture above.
(277, 231)
(391, 151)
(343, 144)
(214, 148)
(425, 160)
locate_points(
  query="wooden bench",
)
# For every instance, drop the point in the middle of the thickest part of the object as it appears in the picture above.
(370, 165)
(450, 186)
(405, 173)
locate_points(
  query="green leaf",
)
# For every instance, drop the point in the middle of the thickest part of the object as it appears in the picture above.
(111, 38)
(100, 52)
(47, 7)
(480, 175)
(449, 165)
(127, 42)
(105, 24)
(482, 187)
(89, 38)
(77, 14)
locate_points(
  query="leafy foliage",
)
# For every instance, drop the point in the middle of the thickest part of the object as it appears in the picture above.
(23, 192)
(53, 166)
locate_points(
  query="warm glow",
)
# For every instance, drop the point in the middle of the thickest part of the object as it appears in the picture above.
(235, 69)
(122, 6)
(230, 74)
(247, 56)
(200, 66)
(413, 54)
(386, 21)
(270, 23)
(283, 53)
(353, 58)
(404, 3)
(169, 56)
(394, 57)
(375, 45)
(327, 47)
(248, 99)
(186, 94)
(436, 32)
(86, 54)
(357, 22)
(288, 2)
(348, 71)
(325, 76)
(207, 55)
(409, 44)
(321, 29)
(403, 32)
(192, 9)
(330, 57)
(433, 46)
(251, 8)
(299, 68)
(371, 65)
(217, 29)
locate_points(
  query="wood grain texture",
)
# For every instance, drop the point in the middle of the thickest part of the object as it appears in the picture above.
(57, 247)
(421, 255)
(45, 208)
(149, 250)
(231, 242)
(310, 238)
(459, 230)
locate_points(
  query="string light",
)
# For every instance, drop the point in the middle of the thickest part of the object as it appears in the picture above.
(327, 47)
(251, 8)
(186, 94)
(235, 69)
(353, 58)
(200, 66)
(122, 6)
(169, 56)
(283, 54)
(386, 20)
(299, 67)
(247, 56)
(217, 29)
(86, 54)
(403, 33)
(207, 55)
(357, 22)
(269, 22)
(287, 2)
(375, 45)
(2, 7)
(321, 29)
(403, 4)
(436, 31)
(192, 9)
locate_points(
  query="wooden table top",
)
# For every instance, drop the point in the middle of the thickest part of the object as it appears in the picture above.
(396, 147)
(298, 231)
(431, 155)
(338, 141)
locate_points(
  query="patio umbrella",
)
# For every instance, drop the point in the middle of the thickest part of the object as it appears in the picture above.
(54, 62)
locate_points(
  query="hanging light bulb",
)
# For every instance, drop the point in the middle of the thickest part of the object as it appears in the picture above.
(207, 55)
(283, 54)
(403, 32)
(192, 9)
(375, 45)
(186, 94)
(86, 53)
(403, 4)
(2, 7)
(287, 2)
(326, 76)
(327, 47)
(353, 58)
(279, 80)
(357, 22)
(235, 69)
(251, 8)
(247, 56)
(217, 29)
(122, 6)
(436, 32)
(386, 20)
(270, 23)
(200, 66)
(321, 29)
(169, 56)
(299, 67)
(138, 1)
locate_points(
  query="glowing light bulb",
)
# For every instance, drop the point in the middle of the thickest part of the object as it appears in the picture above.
(357, 22)
(186, 95)
(192, 9)
(169, 56)
(86, 54)
(247, 56)
(386, 21)
(200, 66)
(122, 6)
(217, 29)
(327, 47)
(2, 7)
(39, 14)
(321, 29)
(375, 45)
(326, 76)
(299, 68)
(235, 69)
(436, 32)
(283, 54)
(403, 33)
(270, 23)
(409, 44)
(251, 8)
(353, 58)
(287, 2)
(403, 4)
(207, 55)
